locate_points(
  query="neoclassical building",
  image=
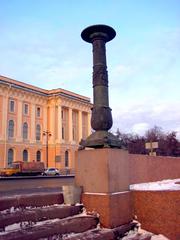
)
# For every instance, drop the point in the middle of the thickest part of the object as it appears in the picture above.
(41, 125)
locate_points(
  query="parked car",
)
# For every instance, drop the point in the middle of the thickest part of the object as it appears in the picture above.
(51, 172)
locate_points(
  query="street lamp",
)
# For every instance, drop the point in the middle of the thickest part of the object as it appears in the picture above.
(47, 133)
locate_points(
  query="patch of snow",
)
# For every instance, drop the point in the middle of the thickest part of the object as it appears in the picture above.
(16, 209)
(24, 225)
(159, 237)
(78, 204)
(140, 234)
(170, 184)
(11, 227)
(69, 235)
(47, 221)
(104, 194)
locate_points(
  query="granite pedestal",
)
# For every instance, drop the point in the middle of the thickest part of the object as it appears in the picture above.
(104, 176)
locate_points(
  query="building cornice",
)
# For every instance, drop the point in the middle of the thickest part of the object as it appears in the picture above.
(40, 91)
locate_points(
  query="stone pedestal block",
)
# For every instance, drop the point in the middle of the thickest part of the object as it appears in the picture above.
(104, 176)
(103, 170)
(115, 209)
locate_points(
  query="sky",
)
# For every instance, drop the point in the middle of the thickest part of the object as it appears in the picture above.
(40, 44)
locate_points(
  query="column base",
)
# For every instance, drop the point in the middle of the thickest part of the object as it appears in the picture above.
(115, 209)
(101, 139)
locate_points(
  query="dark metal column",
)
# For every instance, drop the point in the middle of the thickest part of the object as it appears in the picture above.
(101, 120)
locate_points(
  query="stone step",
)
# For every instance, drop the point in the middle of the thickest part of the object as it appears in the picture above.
(101, 233)
(40, 217)
(76, 224)
(95, 234)
(38, 214)
(33, 200)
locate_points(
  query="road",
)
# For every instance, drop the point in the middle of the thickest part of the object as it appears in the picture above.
(23, 185)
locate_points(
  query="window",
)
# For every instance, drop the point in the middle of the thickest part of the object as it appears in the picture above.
(25, 130)
(11, 129)
(25, 155)
(38, 156)
(10, 156)
(11, 105)
(64, 114)
(63, 133)
(74, 133)
(66, 158)
(38, 112)
(26, 109)
(38, 132)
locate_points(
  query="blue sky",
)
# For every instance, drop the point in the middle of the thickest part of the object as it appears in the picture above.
(40, 44)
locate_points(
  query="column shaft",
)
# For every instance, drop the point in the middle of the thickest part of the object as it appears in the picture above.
(33, 125)
(79, 125)
(5, 126)
(89, 124)
(70, 123)
(19, 121)
(52, 123)
(59, 123)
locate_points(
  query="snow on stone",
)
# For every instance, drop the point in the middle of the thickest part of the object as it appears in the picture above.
(159, 237)
(170, 184)
(105, 194)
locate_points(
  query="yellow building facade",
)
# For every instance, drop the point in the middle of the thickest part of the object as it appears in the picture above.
(41, 125)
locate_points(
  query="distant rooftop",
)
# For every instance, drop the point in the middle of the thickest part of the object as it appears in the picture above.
(28, 87)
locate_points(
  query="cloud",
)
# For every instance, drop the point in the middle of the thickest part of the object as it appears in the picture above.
(140, 128)
(140, 117)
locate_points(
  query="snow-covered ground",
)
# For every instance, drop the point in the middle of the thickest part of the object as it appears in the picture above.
(170, 184)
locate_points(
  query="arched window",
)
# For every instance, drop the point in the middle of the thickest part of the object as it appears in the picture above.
(25, 130)
(66, 158)
(38, 156)
(38, 132)
(10, 156)
(11, 128)
(25, 155)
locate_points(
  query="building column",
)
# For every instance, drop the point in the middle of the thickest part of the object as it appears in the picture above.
(52, 116)
(45, 121)
(59, 124)
(4, 117)
(79, 125)
(32, 122)
(5, 126)
(89, 123)
(70, 124)
(19, 121)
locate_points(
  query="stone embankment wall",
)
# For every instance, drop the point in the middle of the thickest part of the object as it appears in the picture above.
(158, 211)
(144, 168)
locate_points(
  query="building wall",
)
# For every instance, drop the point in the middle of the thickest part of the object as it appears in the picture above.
(145, 168)
(59, 113)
